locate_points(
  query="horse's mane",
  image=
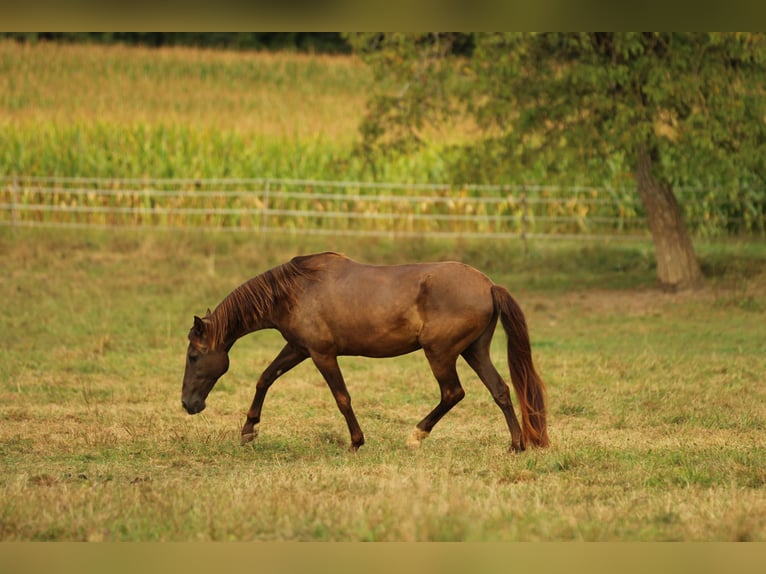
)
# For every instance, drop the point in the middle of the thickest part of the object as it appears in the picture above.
(256, 298)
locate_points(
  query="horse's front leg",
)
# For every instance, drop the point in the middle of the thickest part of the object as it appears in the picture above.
(328, 366)
(288, 358)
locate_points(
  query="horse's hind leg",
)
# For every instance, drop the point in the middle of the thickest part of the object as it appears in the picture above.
(288, 358)
(445, 371)
(477, 356)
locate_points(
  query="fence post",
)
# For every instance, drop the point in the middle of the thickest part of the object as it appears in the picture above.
(265, 209)
(524, 219)
(14, 202)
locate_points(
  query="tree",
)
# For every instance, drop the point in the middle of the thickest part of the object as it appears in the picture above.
(678, 108)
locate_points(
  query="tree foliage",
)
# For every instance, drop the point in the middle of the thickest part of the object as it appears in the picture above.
(664, 108)
(585, 101)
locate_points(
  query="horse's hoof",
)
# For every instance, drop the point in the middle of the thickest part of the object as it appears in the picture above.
(249, 436)
(355, 444)
(416, 438)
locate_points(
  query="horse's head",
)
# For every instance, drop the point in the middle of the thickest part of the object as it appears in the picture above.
(205, 364)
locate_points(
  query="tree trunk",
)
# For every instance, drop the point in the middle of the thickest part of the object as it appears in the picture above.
(677, 265)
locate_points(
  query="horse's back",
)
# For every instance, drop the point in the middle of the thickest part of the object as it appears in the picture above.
(385, 310)
(449, 284)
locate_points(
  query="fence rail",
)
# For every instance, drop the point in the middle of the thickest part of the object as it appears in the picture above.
(359, 208)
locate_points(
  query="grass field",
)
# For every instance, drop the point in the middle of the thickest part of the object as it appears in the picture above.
(274, 95)
(657, 402)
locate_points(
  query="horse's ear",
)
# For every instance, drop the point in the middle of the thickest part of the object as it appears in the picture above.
(199, 325)
(198, 330)
(197, 334)
(207, 315)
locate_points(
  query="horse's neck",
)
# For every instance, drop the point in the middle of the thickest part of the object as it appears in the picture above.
(231, 326)
(250, 306)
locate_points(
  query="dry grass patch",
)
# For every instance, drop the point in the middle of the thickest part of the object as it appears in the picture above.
(284, 96)
(657, 413)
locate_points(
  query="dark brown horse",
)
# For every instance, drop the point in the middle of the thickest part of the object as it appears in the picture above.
(326, 305)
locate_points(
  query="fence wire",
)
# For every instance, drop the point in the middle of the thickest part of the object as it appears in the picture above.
(264, 205)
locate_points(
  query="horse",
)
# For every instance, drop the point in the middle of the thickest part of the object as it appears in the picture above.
(327, 305)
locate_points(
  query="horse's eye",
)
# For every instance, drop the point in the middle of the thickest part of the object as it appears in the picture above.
(192, 358)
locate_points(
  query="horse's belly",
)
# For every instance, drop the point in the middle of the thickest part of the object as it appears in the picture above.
(371, 339)
(378, 349)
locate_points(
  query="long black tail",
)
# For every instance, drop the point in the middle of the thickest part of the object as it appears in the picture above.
(529, 387)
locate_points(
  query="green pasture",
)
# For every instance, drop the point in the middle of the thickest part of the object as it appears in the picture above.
(657, 405)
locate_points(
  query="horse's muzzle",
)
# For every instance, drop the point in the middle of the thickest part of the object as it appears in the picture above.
(193, 407)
